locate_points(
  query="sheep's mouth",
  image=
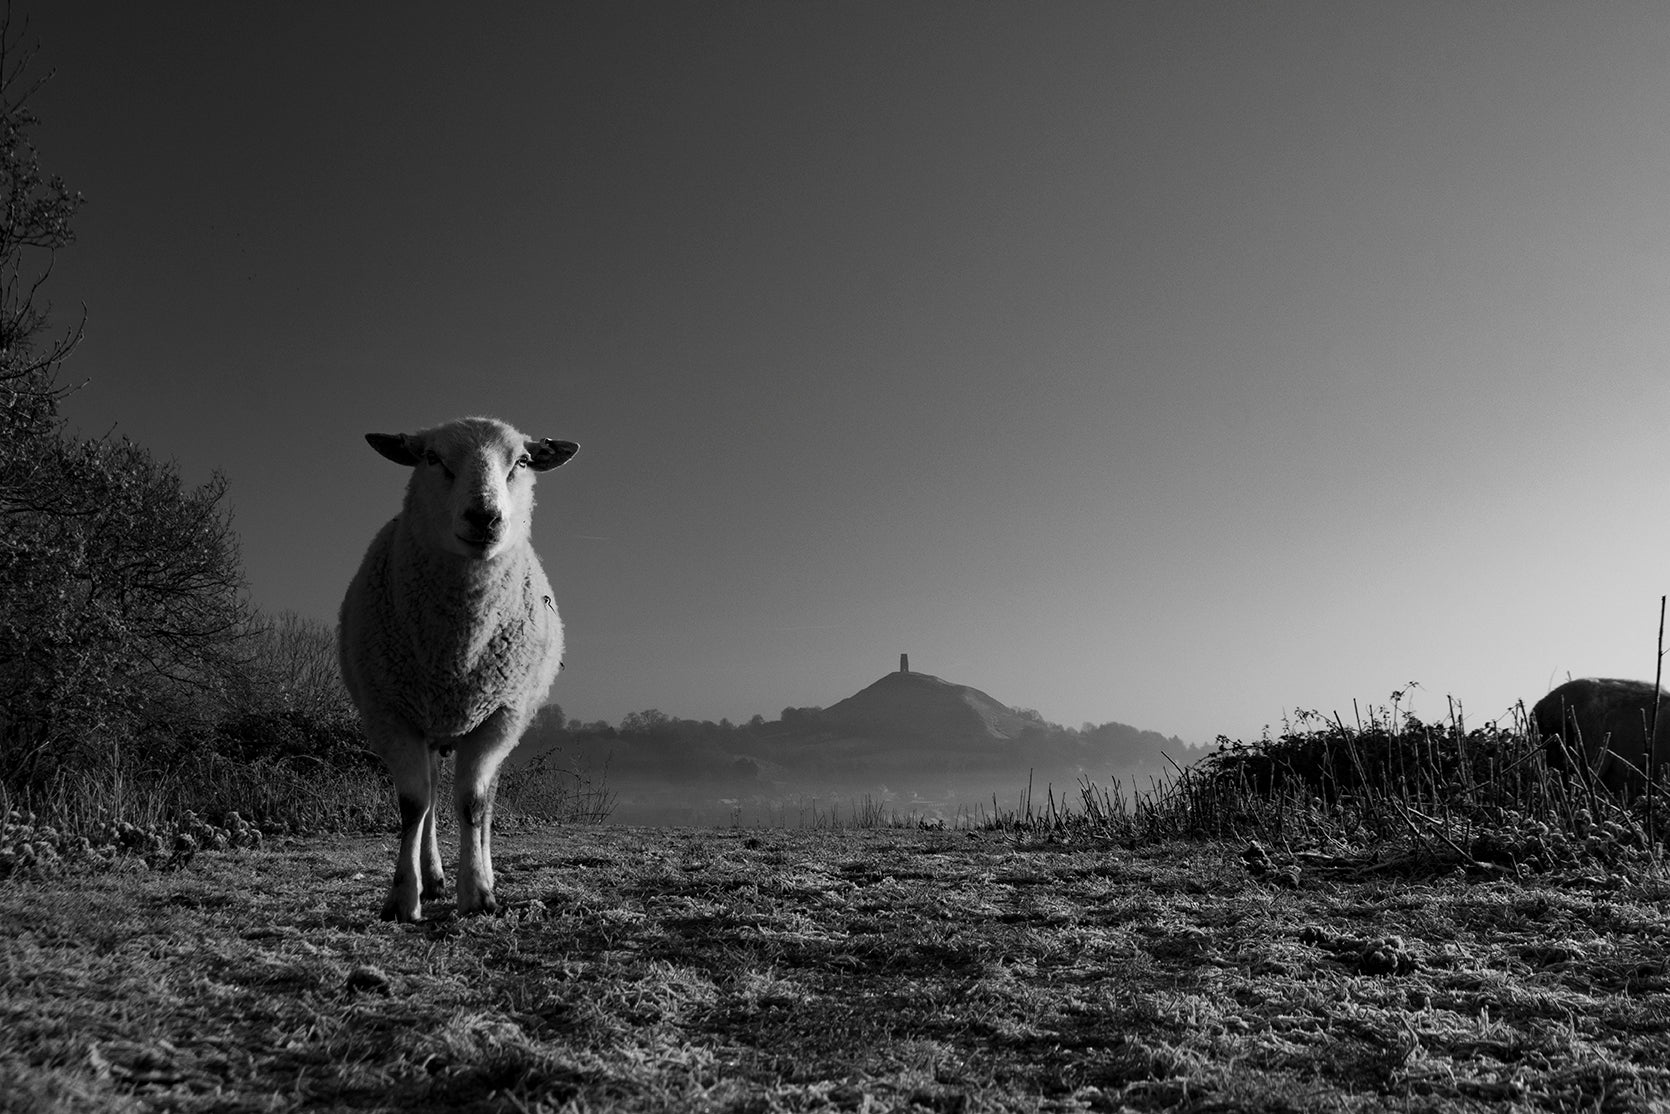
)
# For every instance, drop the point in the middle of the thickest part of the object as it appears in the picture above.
(478, 546)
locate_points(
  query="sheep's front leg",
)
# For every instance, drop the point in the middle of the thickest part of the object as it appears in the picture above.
(434, 875)
(477, 776)
(408, 759)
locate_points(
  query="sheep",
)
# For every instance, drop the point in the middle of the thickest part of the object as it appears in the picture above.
(450, 639)
(1609, 722)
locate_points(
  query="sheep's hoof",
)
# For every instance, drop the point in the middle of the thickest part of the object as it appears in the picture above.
(484, 903)
(393, 912)
(434, 887)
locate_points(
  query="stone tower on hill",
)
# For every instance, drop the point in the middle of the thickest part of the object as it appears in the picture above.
(904, 663)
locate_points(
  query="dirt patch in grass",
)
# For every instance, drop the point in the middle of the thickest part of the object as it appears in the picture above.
(652, 969)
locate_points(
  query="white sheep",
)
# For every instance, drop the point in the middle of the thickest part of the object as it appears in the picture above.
(1607, 721)
(450, 639)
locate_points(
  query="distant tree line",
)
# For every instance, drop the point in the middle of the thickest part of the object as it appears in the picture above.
(800, 744)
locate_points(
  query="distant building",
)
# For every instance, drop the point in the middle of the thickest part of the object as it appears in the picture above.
(904, 663)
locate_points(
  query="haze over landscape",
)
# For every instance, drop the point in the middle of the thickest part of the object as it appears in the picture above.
(1169, 364)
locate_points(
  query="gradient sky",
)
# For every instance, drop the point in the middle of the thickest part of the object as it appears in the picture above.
(1177, 364)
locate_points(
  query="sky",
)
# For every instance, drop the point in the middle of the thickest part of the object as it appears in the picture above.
(1177, 364)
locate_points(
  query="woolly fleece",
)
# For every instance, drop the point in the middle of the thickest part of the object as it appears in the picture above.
(441, 641)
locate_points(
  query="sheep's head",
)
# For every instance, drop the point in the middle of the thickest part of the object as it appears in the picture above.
(471, 491)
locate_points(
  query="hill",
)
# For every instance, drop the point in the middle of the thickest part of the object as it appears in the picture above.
(922, 706)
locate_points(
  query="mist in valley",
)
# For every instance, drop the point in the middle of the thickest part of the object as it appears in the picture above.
(909, 747)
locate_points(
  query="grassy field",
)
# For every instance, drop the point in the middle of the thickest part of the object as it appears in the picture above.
(764, 970)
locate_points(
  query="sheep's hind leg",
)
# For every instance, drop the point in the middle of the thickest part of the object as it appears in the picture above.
(476, 779)
(408, 760)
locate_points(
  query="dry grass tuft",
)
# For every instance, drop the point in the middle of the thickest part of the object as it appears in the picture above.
(1389, 798)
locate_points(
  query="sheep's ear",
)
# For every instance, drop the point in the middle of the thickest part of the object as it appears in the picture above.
(547, 454)
(394, 446)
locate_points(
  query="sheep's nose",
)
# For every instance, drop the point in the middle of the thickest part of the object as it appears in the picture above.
(482, 520)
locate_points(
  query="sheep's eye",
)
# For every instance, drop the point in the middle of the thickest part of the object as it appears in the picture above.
(434, 458)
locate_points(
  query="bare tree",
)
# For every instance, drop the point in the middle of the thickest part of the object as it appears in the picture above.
(294, 666)
(35, 215)
(122, 607)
